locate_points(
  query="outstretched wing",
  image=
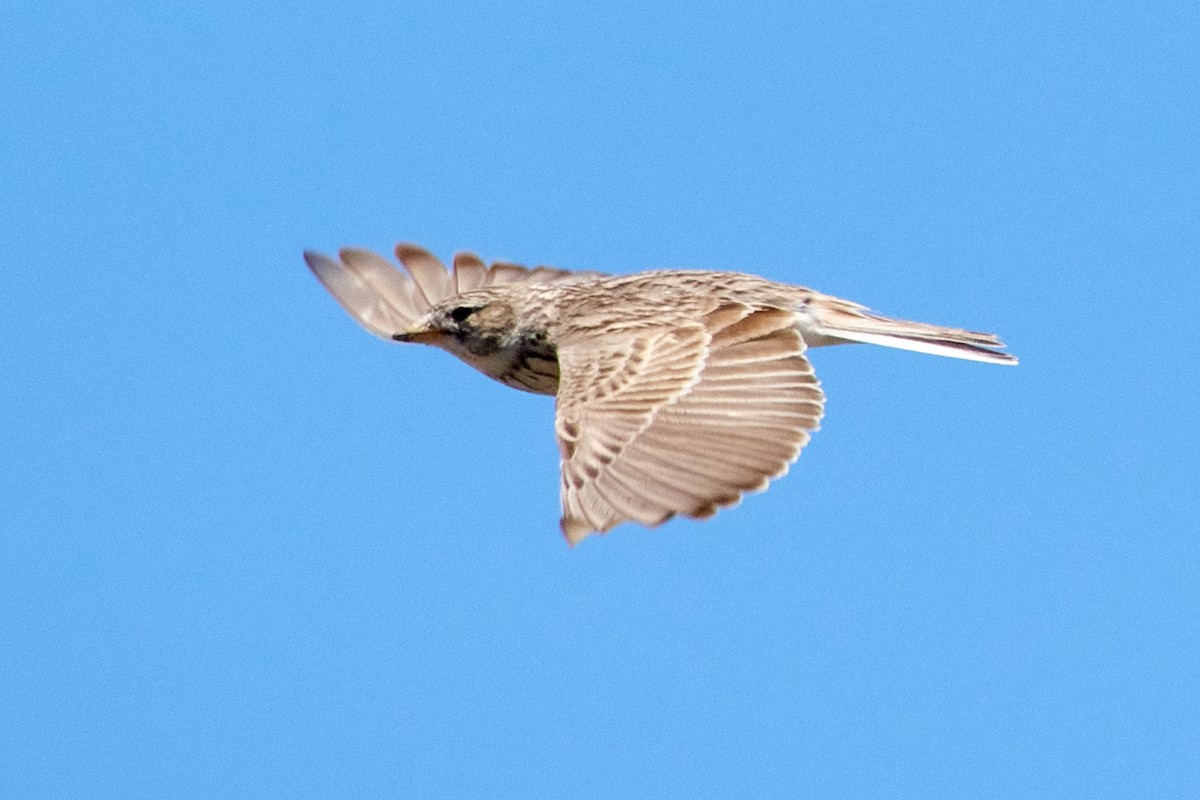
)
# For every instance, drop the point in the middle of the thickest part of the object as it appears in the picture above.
(681, 420)
(386, 301)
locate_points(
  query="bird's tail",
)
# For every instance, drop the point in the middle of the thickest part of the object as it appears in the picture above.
(835, 321)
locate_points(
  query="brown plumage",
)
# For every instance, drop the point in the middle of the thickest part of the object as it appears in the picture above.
(677, 391)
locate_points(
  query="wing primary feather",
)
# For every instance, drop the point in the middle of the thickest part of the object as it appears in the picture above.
(374, 294)
(428, 273)
(470, 273)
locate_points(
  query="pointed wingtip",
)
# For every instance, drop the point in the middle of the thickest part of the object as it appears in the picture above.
(321, 265)
(410, 250)
(575, 530)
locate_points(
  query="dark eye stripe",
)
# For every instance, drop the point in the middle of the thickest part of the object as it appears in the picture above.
(461, 313)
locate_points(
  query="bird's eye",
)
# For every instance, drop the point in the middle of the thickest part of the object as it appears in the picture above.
(461, 313)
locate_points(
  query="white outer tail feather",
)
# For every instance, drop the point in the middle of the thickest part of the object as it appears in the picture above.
(936, 348)
(834, 321)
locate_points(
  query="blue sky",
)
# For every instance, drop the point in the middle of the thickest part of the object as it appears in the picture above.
(248, 550)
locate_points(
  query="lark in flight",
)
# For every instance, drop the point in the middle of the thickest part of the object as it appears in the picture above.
(676, 391)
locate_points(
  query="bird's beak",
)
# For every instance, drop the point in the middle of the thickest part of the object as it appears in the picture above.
(419, 336)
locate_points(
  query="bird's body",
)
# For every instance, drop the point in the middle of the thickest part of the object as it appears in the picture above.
(515, 335)
(677, 390)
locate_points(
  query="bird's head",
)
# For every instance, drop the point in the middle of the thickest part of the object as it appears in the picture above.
(477, 322)
(496, 330)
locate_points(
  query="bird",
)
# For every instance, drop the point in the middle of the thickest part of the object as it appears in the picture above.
(676, 391)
